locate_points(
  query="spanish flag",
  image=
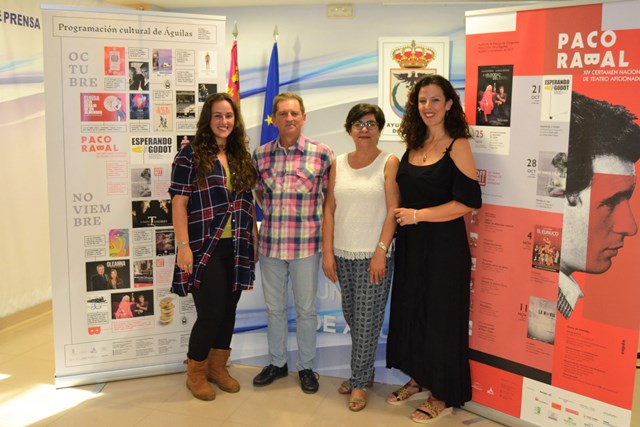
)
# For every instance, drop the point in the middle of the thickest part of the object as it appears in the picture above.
(233, 85)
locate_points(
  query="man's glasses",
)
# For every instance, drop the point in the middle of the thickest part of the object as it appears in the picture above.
(371, 125)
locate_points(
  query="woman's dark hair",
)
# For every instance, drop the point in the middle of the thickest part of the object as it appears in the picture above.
(360, 110)
(205, 147)
(598, 128)
(413, 130)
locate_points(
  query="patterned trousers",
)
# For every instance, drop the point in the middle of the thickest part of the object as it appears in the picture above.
(363, 305)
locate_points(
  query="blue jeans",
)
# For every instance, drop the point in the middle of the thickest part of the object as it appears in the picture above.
(275, 286)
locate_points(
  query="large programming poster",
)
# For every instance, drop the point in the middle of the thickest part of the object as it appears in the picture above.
(552, 95)
(123, 93)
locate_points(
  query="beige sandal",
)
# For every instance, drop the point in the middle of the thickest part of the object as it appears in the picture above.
(358, 404)
(402, 394)
(345, 387)
(432, 411)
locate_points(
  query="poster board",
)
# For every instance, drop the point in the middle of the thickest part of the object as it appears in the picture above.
(530, 362)
(121, 95)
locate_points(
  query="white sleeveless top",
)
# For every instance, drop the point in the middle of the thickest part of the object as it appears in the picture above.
(361, 207)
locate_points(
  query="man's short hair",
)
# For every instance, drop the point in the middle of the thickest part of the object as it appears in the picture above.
(598, 129)
(284, 96)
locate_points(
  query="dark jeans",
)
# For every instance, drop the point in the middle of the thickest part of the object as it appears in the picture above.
(215, 304)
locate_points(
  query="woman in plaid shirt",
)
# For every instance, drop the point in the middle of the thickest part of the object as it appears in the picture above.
(213, 217)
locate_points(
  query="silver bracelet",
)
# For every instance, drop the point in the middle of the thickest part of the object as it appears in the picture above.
(382, 246)
(182, 243)
(415, 220)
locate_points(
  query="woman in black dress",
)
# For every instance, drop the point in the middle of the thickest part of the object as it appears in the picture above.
(428, 330)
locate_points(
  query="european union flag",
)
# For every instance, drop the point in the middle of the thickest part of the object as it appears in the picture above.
(269, 130)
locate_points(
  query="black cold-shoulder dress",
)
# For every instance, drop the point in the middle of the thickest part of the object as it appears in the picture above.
(429, 315)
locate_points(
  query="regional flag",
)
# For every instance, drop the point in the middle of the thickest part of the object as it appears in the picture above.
(269, 130)
(233, 85)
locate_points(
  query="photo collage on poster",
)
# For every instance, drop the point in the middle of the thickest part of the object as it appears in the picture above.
(494, 91)
(165, 89)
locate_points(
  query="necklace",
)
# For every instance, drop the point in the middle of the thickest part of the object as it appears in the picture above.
(426, 153)
(431, 146)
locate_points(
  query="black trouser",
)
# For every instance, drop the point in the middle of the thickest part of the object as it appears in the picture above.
(215, 304)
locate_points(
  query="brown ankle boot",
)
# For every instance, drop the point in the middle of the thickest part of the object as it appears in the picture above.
(218, 373)
(197, 380)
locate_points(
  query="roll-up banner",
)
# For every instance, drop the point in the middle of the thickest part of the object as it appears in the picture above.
(123, 93)
(552, 97)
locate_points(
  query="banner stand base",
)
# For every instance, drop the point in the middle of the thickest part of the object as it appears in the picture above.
(117, 375)
(495, 415)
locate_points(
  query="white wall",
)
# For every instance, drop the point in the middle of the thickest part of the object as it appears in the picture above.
(335, 59)
(334, 63)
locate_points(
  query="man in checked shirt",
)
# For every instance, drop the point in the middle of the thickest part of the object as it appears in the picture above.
(293, 172)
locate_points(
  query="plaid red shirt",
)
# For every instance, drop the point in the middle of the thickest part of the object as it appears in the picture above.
(208, 210)
(292, 182)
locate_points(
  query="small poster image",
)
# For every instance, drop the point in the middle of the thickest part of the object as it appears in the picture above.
(114, 62)
(142, 273)
(206, 89)
(166, 310)
(107, 275)
(119, 242)
(495, 84)
(165, 243)
(185, 104)
(546, 248)
(541, 321)
(163, 118)
(139, 106)
(127, 305)
(473, 239)
(138, 76)
(207, 63)
(103, 107)
(141, 182)
(143, 303)
(151, 213)
(96, 303)
(552, 174)
(183, 141)
(555, 102)
(162, 61)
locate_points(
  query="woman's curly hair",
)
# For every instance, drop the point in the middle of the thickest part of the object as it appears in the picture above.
(412, 129)
(205, 148)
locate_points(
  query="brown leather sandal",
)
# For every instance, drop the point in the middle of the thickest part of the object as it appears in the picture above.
(356, 404)
(345, 387)
(434, 412)
(402, 394)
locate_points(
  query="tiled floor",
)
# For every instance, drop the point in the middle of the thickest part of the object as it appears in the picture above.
(28, 398)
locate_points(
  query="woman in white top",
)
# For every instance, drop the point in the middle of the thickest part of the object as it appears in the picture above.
(358, 230)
